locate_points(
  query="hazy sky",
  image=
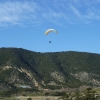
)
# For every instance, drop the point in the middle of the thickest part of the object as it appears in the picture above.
(24, 22)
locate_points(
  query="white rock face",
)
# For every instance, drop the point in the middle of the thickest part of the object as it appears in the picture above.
(86, 77)
(58, 76)
(6, 67)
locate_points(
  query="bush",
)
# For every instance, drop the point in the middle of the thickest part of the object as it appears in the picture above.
(29, 98)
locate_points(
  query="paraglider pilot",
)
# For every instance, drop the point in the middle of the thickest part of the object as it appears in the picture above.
(49, 41)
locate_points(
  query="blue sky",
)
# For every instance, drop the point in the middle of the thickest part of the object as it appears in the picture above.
(24, 22)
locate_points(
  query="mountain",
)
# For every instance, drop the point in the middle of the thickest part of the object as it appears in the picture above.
(29, 69)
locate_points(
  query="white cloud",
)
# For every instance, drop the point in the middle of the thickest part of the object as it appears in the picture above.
(76, 11)
(61, 12)
(16, 12)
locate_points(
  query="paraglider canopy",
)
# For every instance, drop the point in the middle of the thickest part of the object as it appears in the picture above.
(50, 30)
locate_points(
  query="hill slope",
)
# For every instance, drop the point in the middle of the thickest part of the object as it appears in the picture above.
(20, 67)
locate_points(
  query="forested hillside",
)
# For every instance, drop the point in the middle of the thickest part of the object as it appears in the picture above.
(52, 70)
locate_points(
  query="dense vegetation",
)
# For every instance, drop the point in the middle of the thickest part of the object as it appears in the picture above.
(59, 67)
(88, 94)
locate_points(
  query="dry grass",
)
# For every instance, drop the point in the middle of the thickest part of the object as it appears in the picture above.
(37, 98)
(97, 90)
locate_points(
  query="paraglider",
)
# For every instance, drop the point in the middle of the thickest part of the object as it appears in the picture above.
(50, 30)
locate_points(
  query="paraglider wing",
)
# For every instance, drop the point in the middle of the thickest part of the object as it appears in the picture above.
(50, 30)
